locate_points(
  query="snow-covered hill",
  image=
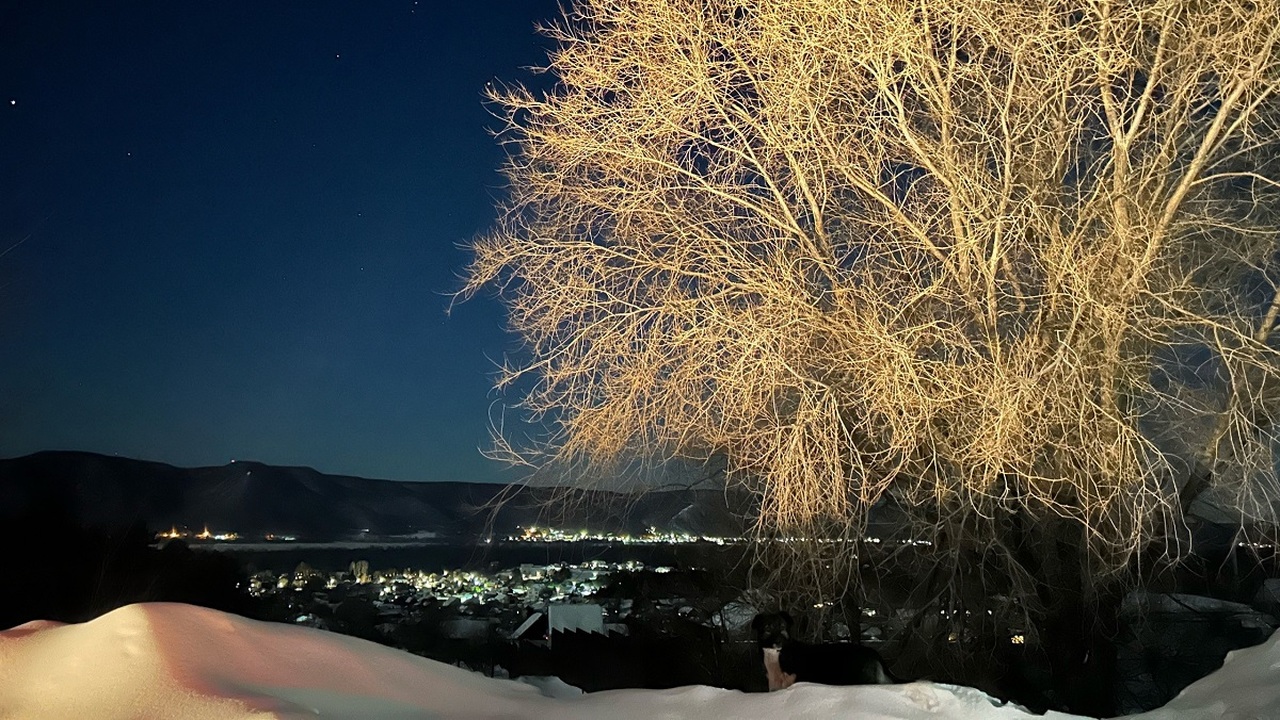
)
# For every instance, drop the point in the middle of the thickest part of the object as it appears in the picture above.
(183, 662)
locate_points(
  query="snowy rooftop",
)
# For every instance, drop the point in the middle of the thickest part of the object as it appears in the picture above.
(182, 662)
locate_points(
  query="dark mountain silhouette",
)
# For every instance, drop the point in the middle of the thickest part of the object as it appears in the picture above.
(255, 499)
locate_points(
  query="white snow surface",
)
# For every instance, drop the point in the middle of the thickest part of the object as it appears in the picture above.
(180, 662)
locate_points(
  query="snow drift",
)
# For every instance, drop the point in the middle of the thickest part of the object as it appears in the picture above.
(176, 661)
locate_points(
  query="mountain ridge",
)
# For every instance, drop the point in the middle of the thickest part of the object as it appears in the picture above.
(255, 499)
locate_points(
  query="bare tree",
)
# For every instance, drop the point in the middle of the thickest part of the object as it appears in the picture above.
(1001, 262)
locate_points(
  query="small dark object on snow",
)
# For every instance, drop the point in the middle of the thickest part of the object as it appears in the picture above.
(788, 661)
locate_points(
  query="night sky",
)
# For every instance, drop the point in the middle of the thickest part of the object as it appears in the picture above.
(231, 229)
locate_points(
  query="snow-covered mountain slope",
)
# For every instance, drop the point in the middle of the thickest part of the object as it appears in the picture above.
(181, 662)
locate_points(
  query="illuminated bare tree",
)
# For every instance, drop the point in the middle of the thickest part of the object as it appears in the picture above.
(998, 262)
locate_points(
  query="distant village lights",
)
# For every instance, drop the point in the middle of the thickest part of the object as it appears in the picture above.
(173, 533)
(534, 533)
(653, 535)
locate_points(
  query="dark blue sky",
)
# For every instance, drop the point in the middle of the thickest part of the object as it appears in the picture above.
(242, 221)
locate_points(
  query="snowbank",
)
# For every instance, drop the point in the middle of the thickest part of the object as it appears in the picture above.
(183, 662)
(1246, 687)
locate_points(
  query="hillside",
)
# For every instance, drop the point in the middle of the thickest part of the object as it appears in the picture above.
(255, 499)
